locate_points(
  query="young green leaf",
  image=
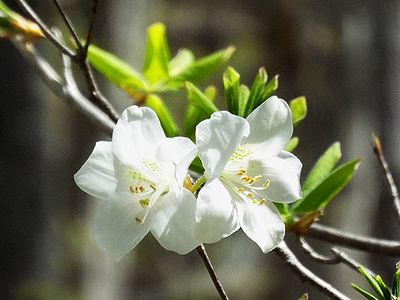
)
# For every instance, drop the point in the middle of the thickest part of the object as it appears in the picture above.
(299, 109)
(385, 290)
(396, 282)
(194, 115)
(363, 292)
(294, 141)
(180, 62)
(244, 93)
(322, 168)
(167, 121)
(231, 80)
(256, 90)
(117, 71)
(157, 56)
(268, 91)
(198, 99)
(372, 282)
(322, 194)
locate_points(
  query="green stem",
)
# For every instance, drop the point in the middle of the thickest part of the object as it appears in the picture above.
(198, 183)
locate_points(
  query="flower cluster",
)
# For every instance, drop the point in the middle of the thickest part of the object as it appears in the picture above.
(139, 177)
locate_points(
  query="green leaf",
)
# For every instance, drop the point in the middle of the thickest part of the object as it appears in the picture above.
(294, 141)
(322, 194)
(396, 282)
(385, 290)
(157, 56)
(372, 282)
(198, 99)
(231, 80)
(299, 109)
(256, 90)
(269, 90)
(322, 168)
(117, 71)
(204, 66)
(180, 62)
(167, 121)
(244, 93)
(194, 115)
(363, 292)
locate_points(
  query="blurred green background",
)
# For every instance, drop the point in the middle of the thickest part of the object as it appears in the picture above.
(342, 55)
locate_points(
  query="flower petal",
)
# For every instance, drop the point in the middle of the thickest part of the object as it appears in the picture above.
(217, 139)
(137, 135)
(181, 151)
(115, 229)
(283, 173)
(216, 214)
(261, 223)
(174, 221)
(97, 175)
(271, 126)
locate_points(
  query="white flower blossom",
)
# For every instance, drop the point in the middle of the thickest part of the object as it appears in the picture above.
(246, 169)
(139, 176)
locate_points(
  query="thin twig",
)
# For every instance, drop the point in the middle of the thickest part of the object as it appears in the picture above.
(69, 24)
(378, 149)
(346, 239)
(337, 256)
(203, 254)
(64, 88)
(46, 31)
(90, 30)
(305, 274)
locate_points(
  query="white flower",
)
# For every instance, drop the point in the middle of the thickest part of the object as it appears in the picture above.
(246, 168)
(139, 175)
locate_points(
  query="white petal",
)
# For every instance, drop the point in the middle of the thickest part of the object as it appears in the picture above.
(262, 224)
(270, 126)
(181, 151)
(283, 172)
(97, 175)
(174, 221)
(115, 229)
(137, 135)
(216, 214)
(217, 139)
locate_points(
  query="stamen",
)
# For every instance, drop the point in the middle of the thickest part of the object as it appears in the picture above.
(240, 190)
(132, 190)
(266, 184)
(257, 178)
(144, 202)
(141, 188)
(138, 221)
(249, 195)
(153, 186)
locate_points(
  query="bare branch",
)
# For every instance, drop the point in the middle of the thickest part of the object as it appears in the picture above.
(206, 260)
(337, 256)
(69, 24)
(67, 91)
(305, 274)
(47, 32)
(345, 239)
(90, 30)
(378, 150)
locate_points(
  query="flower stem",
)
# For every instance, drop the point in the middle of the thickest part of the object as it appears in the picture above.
(204, 256)
(198, 183)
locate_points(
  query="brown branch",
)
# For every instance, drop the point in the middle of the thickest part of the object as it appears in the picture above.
(69, 25)
(46, 31)
(283, 251)
(206, 260)
(349, 240)
(378, 150)
(90, 30)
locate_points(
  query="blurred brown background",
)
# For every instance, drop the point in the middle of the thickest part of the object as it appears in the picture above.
(342, 55)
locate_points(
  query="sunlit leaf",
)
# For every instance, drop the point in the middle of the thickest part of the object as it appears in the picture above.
(117, 71)
(244, 93)
(322, 194)
(294, 141)
(155, 66)
(231, 80)
(372, 282)
(299, 109)
(256, 90)
(322, 168)
(198, 99)
(167, 122)
(396, 282)
(180, 62)
(363, 292)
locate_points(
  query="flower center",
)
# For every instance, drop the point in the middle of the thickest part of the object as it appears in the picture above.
(146, 183)
(241, 152)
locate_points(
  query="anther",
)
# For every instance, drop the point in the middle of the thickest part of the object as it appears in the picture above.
(138, 221)
(266, 184)
(144, 202)
(257, 178)
(141, 188)
(240, 190)
(153, 186)
(131, 189)
(249, 195)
